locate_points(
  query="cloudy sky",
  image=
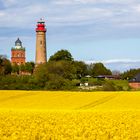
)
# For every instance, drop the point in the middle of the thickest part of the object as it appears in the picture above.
(92, 30)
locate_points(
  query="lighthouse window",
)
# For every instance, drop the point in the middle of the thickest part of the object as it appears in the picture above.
(41, 42)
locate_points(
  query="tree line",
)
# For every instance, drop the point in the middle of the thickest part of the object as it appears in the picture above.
(61, 72)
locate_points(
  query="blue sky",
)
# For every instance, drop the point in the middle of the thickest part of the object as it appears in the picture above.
(92, 30)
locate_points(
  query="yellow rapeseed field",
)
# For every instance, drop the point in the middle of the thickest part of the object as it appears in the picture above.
(45, 115)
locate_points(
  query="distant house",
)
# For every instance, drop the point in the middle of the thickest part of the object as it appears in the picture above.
(87, 76)
(110, 77)
(135, 82)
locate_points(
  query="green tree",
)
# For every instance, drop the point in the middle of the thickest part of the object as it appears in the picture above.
(99, 69)
(22, 67)
(56, 73)
(61, 55)
(64, 69)
(130, 74)
(41, 75)
(29, 67)
(57, 82)
(15, 68)
(5, 66)
(81, 69)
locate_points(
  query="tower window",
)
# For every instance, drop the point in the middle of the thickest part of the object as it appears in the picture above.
(41, 42)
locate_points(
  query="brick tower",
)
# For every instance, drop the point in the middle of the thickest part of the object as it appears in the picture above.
(18, 53)
(40, 43)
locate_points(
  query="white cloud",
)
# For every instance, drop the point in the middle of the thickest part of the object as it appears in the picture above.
(119, 64)
(63, 2)
(69, 15)
(66, 2)
(122, 61)
(8, 3)
(81, 16)
(2, 14)
(21, 17)
(115, 61)
(136, 8)
(121, 14)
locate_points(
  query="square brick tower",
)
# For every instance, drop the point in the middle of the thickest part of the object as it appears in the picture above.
(18, 53)
(41, 56)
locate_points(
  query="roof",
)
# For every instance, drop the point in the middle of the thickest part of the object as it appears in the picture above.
(18, 41)
(136, 78)
(41, 20)
(108, 76)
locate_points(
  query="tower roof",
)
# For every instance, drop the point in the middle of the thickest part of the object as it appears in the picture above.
(18, 42)
(41, 20)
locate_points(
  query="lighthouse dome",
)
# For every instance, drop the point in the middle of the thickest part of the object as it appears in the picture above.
(18, 44)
